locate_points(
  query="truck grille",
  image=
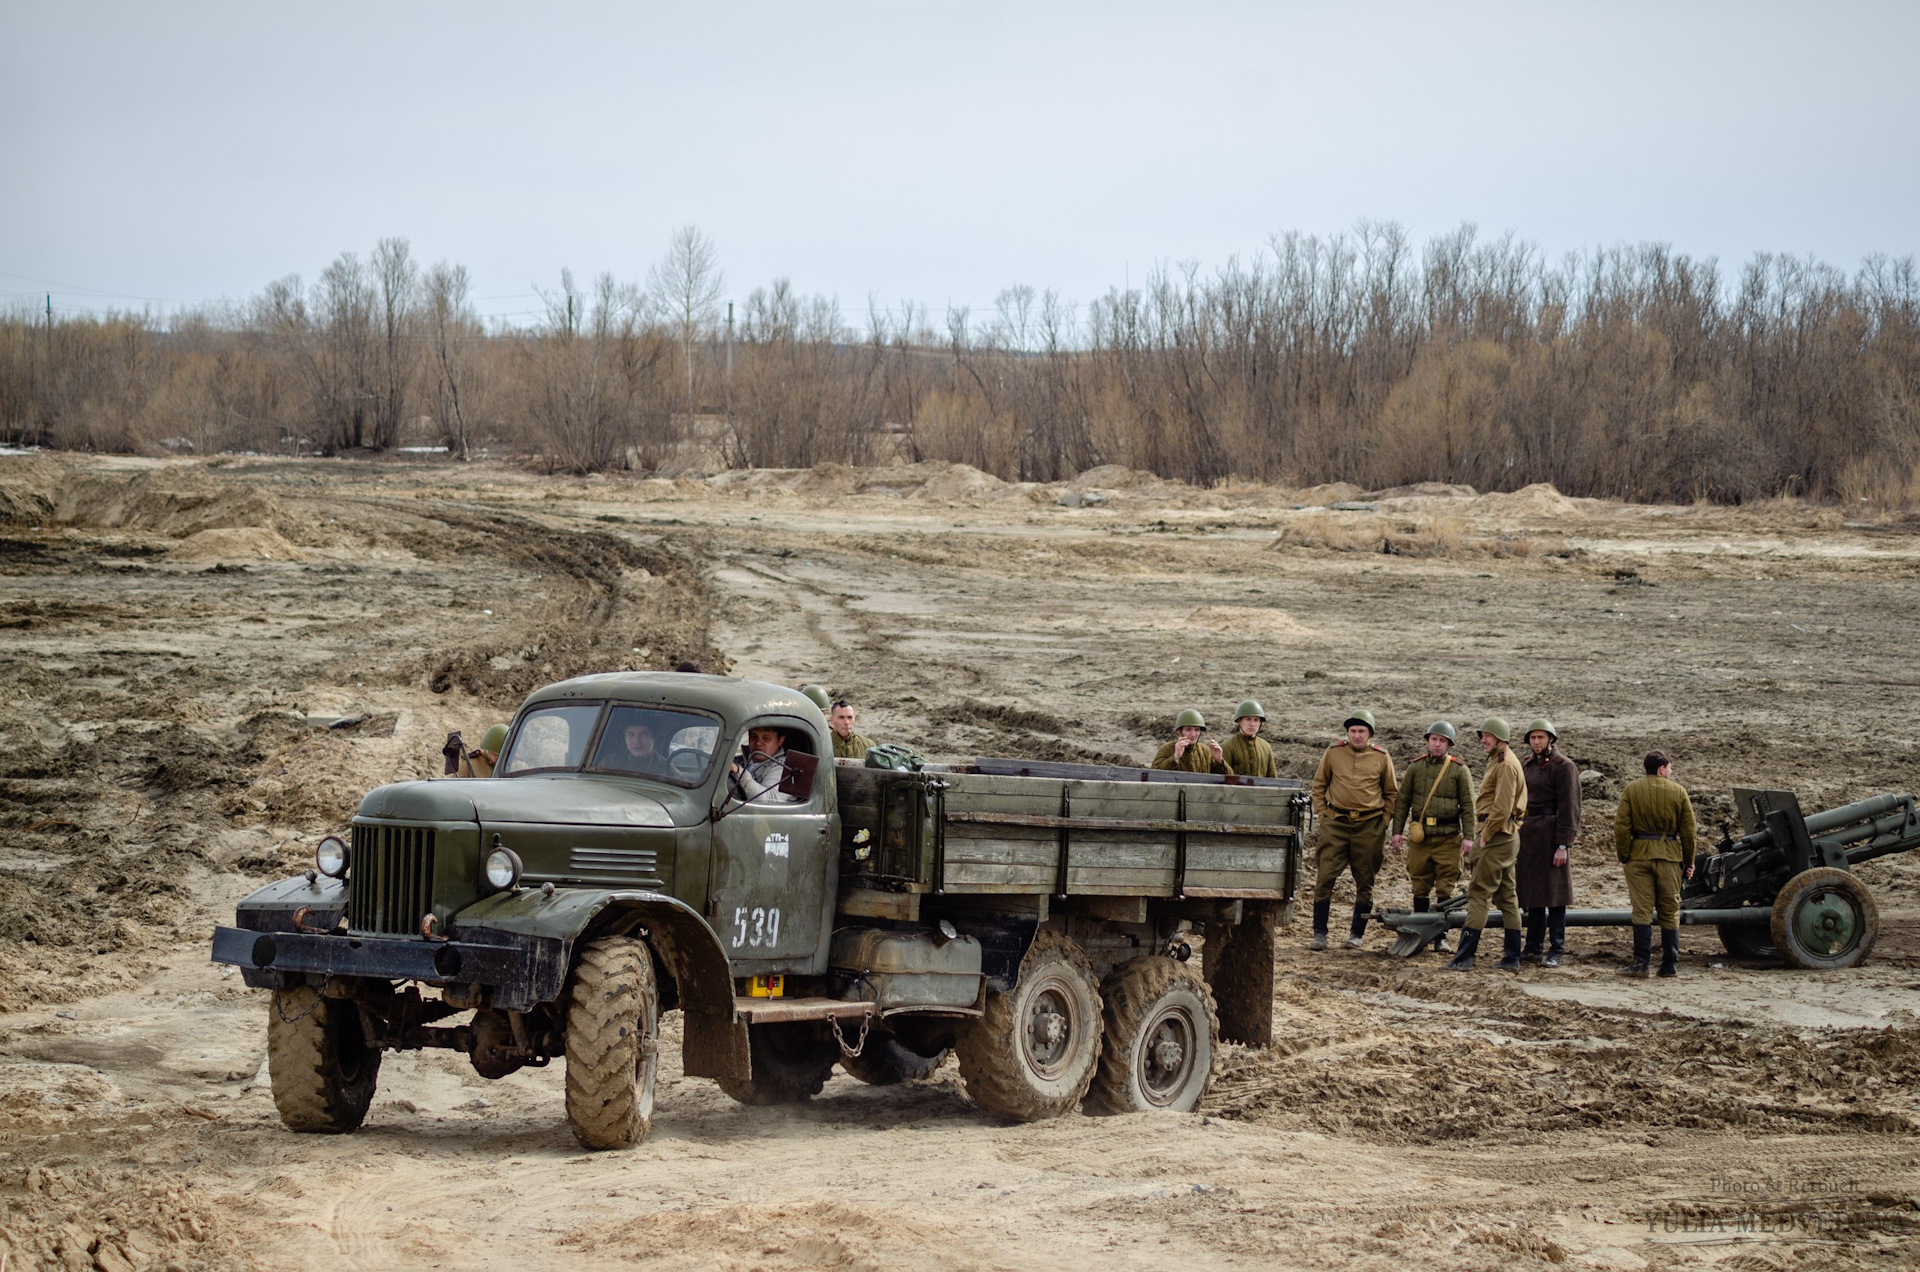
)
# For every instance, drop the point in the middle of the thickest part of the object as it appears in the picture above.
(390, 879)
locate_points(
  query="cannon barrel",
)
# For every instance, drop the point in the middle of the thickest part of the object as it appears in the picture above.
(1862, 810)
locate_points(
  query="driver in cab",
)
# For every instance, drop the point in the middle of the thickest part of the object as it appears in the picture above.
(757, 773)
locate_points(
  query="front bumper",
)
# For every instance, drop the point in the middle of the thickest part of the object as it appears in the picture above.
(518, 969)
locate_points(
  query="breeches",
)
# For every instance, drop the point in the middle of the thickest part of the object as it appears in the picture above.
(1433, 865)
(1349, 845)
(1654, 886)
(1493, 880)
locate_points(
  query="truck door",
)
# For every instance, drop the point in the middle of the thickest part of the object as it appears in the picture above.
(776, 864)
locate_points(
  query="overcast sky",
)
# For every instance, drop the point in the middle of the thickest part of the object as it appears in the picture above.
(180, 152)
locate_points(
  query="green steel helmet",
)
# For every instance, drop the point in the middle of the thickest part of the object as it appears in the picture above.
(1190, 719)
(1249, 708)
(821, 698)
(1362, 716)
(495, 739)
(1444, 729)
(1543, 725)
(1498, 727)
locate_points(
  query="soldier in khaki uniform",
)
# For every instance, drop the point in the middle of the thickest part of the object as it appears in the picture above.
(1436, 797)
(1353, 792)
(1653, 834)
(1246, 752)
(847, 745)
(1187, 753)
(479, 761)
(1501, 805)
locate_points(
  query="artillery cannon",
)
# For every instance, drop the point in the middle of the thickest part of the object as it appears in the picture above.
(1784, 889)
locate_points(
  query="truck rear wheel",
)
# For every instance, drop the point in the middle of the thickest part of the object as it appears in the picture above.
(889, 1062)
(1032, 1054)
(613, 1053)
(791, 1061)
(1825, 919)
(323, 1067)
(1158, 1048)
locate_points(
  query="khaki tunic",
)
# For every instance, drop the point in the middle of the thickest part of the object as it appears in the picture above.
(1198, 759)
(1433, 864)
(1654, 837)
(851, 748)
(1354, 783)
(1249, 757)
(474, 763)
(1501, 804)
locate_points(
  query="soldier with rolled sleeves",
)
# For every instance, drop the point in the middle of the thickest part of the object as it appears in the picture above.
(1501, 805)
(1544, 873)
(1653, 834)
(1246, 752)
(1431, 818)
(1353, 792)
(1187, 753)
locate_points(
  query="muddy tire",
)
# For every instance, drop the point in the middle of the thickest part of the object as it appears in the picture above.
(1157, 1051)
(791, 1061)
(1748, 940)
(613, 1043)
(323, 1068)
(1238, 959)
(1825, 919)
(889, 1062)
(1033, 1053)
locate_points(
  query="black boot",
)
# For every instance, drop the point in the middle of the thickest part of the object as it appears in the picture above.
(1510, 956)
(1321, 910)
(1669, 952)
(1536, 933)
(1556, 935)
(1469, 942)
(1358, 928)
(1420, 905)
(1642, 951)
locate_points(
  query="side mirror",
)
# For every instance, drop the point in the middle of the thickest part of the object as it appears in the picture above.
(798, 781)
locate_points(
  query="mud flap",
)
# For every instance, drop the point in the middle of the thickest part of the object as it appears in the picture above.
(715, 1046)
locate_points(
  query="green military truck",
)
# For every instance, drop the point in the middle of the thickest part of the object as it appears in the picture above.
(630, 857)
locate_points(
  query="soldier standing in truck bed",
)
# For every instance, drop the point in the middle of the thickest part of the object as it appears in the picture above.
(1432, 815)
(1501, 805)
(847, 745)
(1544, 874)
(1246, 752)
(1187, 753)
(1653, 833)
(1353, 792)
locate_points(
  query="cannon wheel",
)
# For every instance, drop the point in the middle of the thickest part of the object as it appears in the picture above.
(1825, 919)
(1748, 940)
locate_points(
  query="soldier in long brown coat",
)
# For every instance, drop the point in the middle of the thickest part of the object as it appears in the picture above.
(1544, 873)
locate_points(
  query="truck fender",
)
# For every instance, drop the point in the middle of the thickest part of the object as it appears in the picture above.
(715, 1042)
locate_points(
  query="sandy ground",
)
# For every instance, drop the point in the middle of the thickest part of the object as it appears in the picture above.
(179, 635)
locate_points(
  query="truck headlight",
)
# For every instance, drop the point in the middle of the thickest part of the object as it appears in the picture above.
(503, 868)
(331, 857)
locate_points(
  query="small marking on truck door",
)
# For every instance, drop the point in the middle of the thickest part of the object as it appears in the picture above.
(776, 845)
(756, 927)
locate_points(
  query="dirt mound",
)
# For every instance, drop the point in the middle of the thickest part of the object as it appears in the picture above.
(239, 543)
(92, 1218)
(1538, 500)
(1428, 490)
(1116, 477)
(959, 483)
(1330, 493)
(28, 484)
(176, 501)
(1248, 620)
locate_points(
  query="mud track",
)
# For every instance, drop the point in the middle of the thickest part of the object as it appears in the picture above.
(181, 638)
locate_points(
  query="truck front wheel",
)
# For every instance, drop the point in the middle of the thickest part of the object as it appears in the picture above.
(1158, 1049)
(613, 1051)
(322, 1065)
(1031, 1055)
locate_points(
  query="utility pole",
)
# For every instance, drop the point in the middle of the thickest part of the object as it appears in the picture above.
(729, 376)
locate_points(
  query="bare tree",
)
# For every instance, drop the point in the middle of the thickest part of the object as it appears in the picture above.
(687, 284)
(453, 328)
(397, 282)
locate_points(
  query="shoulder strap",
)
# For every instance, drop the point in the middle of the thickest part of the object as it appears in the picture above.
(1432, 789)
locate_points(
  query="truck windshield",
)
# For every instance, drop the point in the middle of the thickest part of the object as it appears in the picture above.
(673, 746)
(551, 738)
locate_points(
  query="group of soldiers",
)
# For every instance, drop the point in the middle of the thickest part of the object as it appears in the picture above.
(1512, 836)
